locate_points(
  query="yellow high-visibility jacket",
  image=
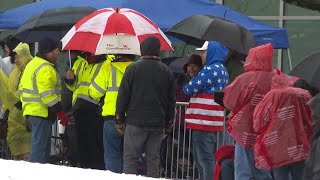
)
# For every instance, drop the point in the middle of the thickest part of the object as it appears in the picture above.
(78, 67)
(83, 83)
(18, 137)
(39, 87)
(107, 83)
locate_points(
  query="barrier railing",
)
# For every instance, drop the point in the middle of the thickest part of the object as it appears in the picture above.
(176, 151)
(178, 158)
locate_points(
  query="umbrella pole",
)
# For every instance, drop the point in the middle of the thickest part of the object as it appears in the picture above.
(36, 48)
(289, 58)
(69, 58)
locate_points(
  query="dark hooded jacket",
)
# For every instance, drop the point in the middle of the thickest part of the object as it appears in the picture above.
(147, 90)
(312, 165)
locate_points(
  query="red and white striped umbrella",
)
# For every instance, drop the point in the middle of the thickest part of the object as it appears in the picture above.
(113, 31)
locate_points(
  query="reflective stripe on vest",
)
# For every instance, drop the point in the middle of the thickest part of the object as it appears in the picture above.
(35, 91)
(87, 84)
(81, 96)
(82, 83)
(78, 69)
(113, 87)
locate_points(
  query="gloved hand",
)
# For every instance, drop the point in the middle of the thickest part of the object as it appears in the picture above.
(120, 123)
(169, 127)
(70, 75)
(63, 118)
(121, 127)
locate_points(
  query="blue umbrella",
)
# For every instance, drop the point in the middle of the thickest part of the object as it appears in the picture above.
(165, 13)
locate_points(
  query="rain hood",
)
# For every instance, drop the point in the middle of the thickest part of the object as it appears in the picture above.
(23, 53)
(259, 58)
(216, 52)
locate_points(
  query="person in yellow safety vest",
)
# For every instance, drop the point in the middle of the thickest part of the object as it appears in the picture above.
(88, 120)
(79, 64)
(107, 83)
(40, 96)
(18, 137)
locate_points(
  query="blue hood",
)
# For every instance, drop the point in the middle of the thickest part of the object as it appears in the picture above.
(216, 52)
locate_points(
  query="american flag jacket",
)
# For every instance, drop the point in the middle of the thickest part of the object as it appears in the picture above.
(203, 113)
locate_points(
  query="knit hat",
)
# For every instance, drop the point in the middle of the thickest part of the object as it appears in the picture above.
(47, 45)
(150, 46)
(194, 59)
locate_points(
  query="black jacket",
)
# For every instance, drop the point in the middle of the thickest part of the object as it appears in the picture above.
(312, 164)
(147, 94)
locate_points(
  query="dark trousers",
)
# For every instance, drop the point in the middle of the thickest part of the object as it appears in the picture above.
(90, 139)
(293, 171)
(71, 140)
(227, 170)
(135, 140)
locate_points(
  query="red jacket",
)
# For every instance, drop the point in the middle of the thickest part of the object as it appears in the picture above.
(283, 121)
(246, 91)
(224, 152)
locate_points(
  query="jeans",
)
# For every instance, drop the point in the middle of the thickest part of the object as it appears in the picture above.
(135, 139)
(292, 171)
(113, 147)
(245, 166)
(204, 147)
(227, 169)
(41, 129)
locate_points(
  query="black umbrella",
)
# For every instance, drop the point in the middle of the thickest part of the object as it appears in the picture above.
(309, 70)
(53, 23)
(177, 65)
(308, 4)
(197, 29)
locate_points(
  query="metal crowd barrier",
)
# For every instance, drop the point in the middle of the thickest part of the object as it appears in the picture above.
(179, 162)
(56, 144)
(176, 151)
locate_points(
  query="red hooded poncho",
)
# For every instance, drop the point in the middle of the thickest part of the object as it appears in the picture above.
(283, 121)
(224, 152)
(246, 91)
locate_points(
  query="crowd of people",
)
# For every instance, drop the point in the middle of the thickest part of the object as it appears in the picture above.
(115, 107)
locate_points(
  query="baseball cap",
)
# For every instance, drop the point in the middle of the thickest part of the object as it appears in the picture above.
(204, 46)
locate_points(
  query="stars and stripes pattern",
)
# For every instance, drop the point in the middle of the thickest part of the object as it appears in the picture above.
(209, 80)
(203, 113)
